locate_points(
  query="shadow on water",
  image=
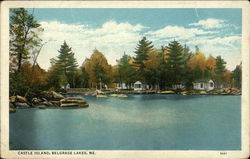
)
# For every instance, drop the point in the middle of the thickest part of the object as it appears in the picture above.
(147, 97)
(166, 96)
(28, 135)
(27, 139)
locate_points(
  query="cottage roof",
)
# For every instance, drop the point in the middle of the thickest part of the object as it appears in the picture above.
(202, 80)
(138, 82)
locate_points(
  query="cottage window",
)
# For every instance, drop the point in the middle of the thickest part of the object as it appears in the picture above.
(201, 85)
(211, 84)
(137, 86)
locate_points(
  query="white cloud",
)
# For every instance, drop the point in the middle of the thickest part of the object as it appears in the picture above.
(228, 41)
(210, 23)
(232, 55)
(60, 27)
(228, 47)
(209, 42)
(111, 38)
(177, 32)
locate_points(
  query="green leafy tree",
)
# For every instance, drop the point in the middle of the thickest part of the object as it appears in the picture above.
(141, 51)
(98, 70)
(24, 31)
(100, 74)
(23, 40)
(220, 69)
(18, 83)
(53, 78)
(84, 78)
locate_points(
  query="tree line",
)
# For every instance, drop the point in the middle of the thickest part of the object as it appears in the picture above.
(159, 68)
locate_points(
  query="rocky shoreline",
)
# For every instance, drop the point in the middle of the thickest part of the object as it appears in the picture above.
(52, 99)
(47, 99)
(224, 91)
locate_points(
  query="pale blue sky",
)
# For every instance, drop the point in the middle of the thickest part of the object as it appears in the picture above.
(114, 30)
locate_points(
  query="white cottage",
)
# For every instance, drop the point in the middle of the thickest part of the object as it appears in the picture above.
(178, 86)
(203, 85)
(139, 86)
(121, 86)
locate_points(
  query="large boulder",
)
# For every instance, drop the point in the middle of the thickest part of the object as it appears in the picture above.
(11, 105)
(167, 92)
(18, 98)
(55, 102)
(12, 99)
(46, 103)
(12, 110)
(41, 106)
(119, 95)
(73, 102)
(52, 95)
(203, 92)
(36, 101)
(21, 99)
(101, 96)
(234, 91)
(21, 105)
(57, 95)
(18, 101)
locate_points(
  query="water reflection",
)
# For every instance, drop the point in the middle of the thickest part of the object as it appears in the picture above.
(139, 122)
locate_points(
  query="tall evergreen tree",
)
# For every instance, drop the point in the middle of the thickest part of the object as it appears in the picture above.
(66, 65)
(175, 62)
(126, 71)
(207, 73)
(141, 51)
(197, 73)
(162, 70)
(220, 69)
(237, 76)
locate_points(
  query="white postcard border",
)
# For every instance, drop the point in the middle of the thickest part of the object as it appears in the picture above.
(6, 153)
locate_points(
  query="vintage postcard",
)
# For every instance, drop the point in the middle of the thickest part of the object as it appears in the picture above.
(125, 79)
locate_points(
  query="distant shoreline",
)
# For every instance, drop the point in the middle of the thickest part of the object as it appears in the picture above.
(224, 91)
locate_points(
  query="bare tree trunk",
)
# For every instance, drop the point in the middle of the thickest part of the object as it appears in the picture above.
(19, 62)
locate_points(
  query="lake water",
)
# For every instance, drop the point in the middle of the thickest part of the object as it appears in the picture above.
(139, 122)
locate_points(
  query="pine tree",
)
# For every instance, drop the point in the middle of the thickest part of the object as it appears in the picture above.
(66, 65)
(237, 76)
(126, 71)
(161, 70)
(141, 51)
(175, 62)
(220, 69)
